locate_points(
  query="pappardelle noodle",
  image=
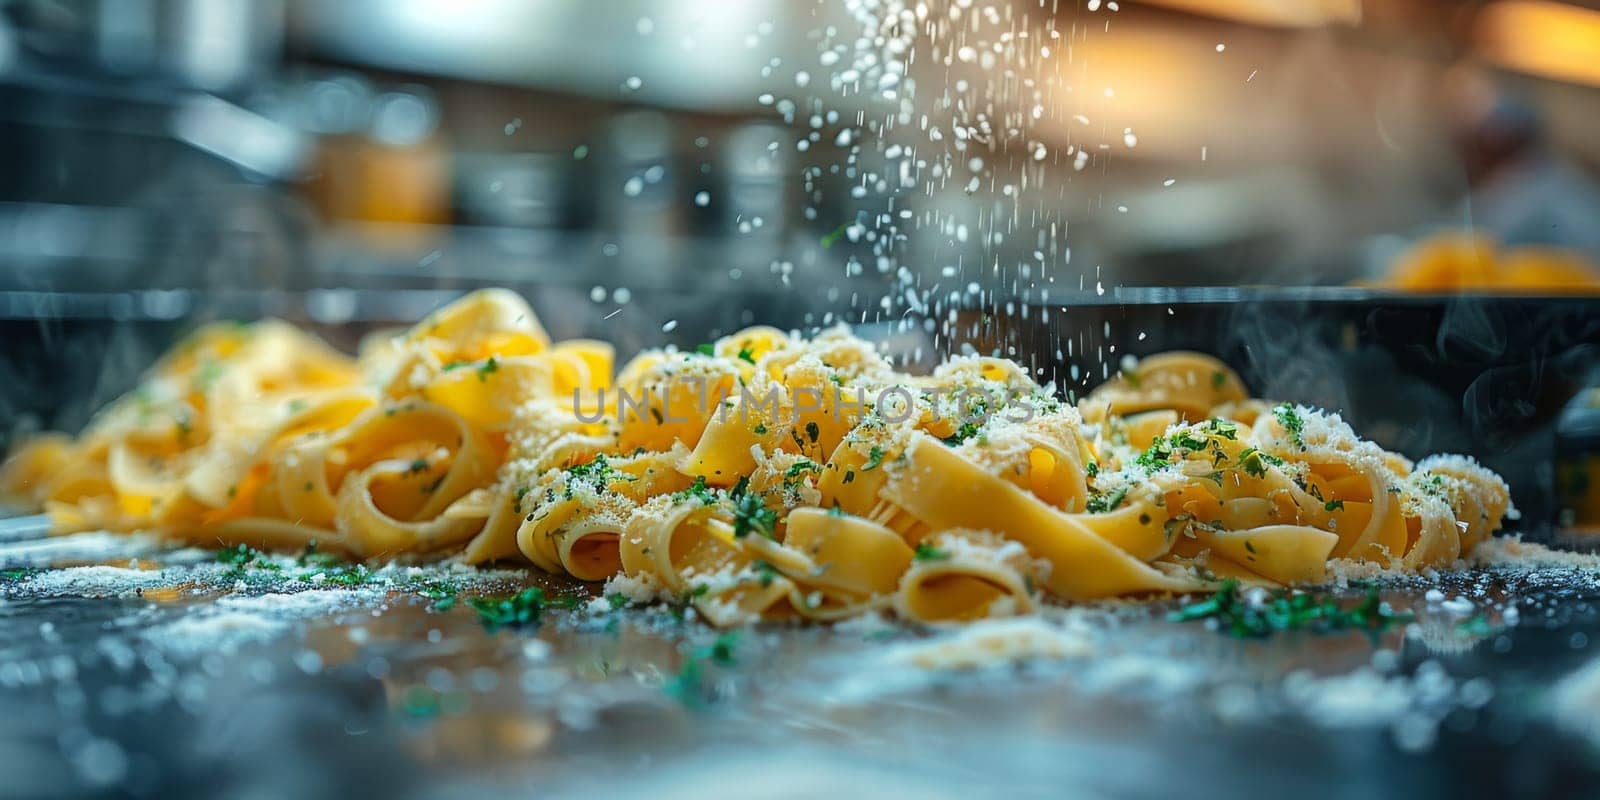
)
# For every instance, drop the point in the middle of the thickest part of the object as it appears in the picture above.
(762, 476)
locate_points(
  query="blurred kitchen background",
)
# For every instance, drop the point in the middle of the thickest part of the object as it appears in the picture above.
(230, 144)
(1032, 178)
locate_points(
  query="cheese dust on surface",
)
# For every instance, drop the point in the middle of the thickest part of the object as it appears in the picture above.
(233, 621)
(981, 653)
(1510, 552)
(309, 604)
(97, 547)
(1126, 651)
(1506, 555)
(223, 632)
(196, 601)
(1117, 650)
(97, 581)
(993, 643)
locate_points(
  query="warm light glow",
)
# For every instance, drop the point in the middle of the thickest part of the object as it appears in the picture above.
(1276, 13)
(1548, 39)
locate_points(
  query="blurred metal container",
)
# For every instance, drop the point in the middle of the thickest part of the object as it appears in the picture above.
(159, 189)
(382, 161)
(216, 45)
(638, 196)
(1578, 465)
(757, 171)
(523, 190)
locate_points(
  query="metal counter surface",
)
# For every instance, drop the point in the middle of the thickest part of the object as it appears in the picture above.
(115, 683)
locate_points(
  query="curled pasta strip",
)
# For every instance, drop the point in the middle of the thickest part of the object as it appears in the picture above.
(366, 501)
(854, 361)
(753, 423)
(945, 491)
(1191, 384)
(839, 565)
(686, 546)
(664, 398)
(576, 517)
(490, 393)
(853, 483)
(391, 475)
(476, 332)
(546, 438)
(968, 575)
(1046, 456)
(483, 324)
(1478, 498)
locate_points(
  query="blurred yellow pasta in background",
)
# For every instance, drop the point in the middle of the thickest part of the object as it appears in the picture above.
(1469, 261)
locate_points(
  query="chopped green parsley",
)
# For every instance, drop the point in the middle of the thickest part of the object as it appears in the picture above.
(688, 687)
(965, 431)
(1286, 611)
(697, 490)
(1254, 462)
(1157, 456)
(1103, 503)
(766, 572)
(18, 574)
(523, 608)
(599, 473)
(832, 236)
(1291, 422)
(751, 515)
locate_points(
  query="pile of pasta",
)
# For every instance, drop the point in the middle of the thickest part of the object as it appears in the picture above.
(815, 482)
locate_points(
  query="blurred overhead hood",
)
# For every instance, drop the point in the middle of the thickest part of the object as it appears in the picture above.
(688, 53)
